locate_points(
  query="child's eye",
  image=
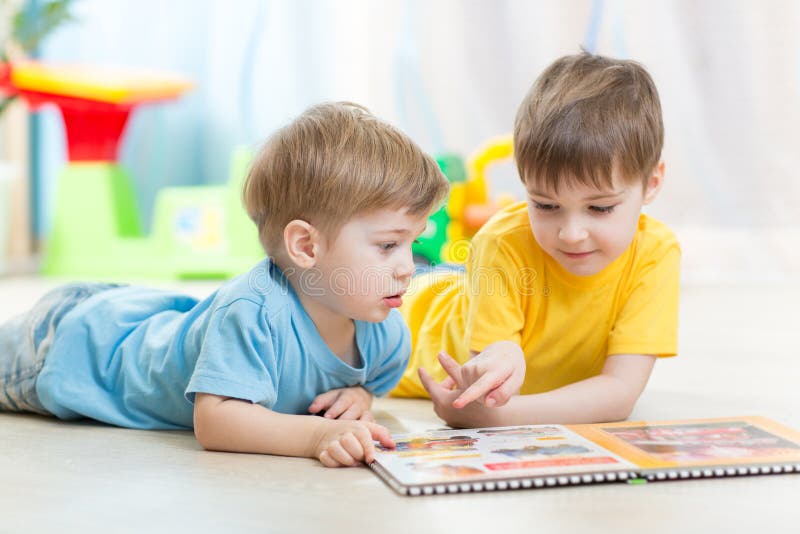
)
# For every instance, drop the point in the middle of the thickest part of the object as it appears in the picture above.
(386, 247)
(544, 207)
(602, 209)
(417, 241)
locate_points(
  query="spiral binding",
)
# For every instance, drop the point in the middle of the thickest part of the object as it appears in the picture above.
(512, 484)
(579, 479)
(728, 471)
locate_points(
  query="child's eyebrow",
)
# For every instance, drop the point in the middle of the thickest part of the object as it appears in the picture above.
(607, 194)
(402, 231)
(394, 231)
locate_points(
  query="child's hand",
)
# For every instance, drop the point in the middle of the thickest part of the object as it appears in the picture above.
(344, 403)
(493, 376)
(346, 443)
(443, 396)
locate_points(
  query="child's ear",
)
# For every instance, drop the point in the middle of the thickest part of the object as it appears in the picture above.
(654, 183)
(301, 240)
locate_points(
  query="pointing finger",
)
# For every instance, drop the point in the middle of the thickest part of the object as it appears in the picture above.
(453, 369)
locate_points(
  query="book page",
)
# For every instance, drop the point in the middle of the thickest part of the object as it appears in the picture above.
(703, 442)
(505, 453)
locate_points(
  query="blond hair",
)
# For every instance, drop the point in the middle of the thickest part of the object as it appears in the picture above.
(585, 114)
(333, 162)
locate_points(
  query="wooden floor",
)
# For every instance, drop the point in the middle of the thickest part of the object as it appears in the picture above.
(740, 355)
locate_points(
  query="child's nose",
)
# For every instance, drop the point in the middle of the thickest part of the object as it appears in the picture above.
(406, 267)
(572, 232)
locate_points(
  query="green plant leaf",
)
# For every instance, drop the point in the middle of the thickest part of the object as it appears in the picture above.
(37, 20)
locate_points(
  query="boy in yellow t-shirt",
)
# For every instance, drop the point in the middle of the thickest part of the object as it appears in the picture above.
(568, 298)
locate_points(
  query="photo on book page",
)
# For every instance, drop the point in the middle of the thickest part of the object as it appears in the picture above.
(494, 454)
(747, 440)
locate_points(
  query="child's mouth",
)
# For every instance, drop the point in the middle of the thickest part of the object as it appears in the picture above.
(394, 301)
(577, 255)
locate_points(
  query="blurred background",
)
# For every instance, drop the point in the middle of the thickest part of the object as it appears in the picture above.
(451, 74)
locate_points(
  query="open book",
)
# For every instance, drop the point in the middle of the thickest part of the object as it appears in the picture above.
(539, 456)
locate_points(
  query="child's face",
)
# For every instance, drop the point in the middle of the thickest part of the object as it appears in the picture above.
(585, 228)
(366, 270)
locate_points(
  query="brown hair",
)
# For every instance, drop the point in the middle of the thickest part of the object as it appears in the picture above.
(333, 162)
(585, 114)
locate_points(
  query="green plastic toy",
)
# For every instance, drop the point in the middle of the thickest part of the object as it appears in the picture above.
(429, 246)
(197, 232)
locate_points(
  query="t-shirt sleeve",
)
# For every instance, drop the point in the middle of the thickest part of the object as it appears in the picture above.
(393, 344)
(237, 357)
(648, 320)
(495, 288)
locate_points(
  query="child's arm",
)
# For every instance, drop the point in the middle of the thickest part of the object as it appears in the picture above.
(344, 403)
(609, 396)
(225, 424)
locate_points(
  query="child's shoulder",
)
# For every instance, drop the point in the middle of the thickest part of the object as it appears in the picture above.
(654, 237)
(509, 231)
(512, 218)
(511, 225)
(263, 286)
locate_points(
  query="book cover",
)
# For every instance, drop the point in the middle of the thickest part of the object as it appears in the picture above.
(537, 456)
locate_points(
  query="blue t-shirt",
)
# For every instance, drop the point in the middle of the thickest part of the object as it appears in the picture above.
(135, 357)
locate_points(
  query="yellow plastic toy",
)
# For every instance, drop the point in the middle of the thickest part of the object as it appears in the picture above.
(113, 85)
(470, 204)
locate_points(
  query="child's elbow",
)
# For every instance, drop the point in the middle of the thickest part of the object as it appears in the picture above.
(620, 414)
(622, 409)
(202, 437)
(204, 431)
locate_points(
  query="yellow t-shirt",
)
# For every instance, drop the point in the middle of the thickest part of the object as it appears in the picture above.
(566, 324)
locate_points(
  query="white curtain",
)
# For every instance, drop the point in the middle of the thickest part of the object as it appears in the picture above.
(451, 73)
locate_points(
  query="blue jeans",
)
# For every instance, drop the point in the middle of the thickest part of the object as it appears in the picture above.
(25, 340)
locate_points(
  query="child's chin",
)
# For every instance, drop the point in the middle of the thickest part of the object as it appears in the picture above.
(375, 316)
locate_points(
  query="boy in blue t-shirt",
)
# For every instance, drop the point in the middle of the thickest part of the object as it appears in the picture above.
(338, 197)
